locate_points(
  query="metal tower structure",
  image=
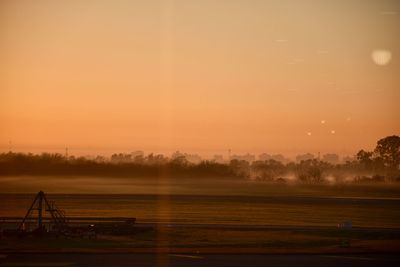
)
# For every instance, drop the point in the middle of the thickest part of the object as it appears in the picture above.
(40, 204)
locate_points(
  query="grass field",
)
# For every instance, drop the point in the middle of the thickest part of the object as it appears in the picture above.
(216, 213)
(193, 239)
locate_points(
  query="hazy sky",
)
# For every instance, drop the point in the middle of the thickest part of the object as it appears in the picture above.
(198, 75)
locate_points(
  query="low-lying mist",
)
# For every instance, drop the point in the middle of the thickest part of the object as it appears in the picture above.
(158, 174)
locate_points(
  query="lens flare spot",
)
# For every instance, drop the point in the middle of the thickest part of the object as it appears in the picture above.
(381, 57)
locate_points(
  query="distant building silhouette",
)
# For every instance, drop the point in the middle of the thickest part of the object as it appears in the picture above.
(280, 158)
(331, 158)
(137, 153)
(247, 157)
(264, 157)
(193, 158)
(304, 157)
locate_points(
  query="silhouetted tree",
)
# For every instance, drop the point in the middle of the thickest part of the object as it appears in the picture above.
(240, 167)
(388, 149)
(311, 171)
(365, 158)
(378, 166)
(267, 170)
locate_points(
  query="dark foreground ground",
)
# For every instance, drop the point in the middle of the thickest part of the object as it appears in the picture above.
(184, 260)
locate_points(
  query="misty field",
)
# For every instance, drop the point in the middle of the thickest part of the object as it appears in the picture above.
(214, 215)
(209, 201)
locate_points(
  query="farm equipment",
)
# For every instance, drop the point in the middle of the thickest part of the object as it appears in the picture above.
(45, 218)
(56, 223)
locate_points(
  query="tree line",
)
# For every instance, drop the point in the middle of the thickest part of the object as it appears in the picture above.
(380, 165)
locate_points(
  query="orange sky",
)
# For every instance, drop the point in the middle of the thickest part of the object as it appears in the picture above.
(198, 75)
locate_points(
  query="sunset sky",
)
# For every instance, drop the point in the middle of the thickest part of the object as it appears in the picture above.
(198, 76)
